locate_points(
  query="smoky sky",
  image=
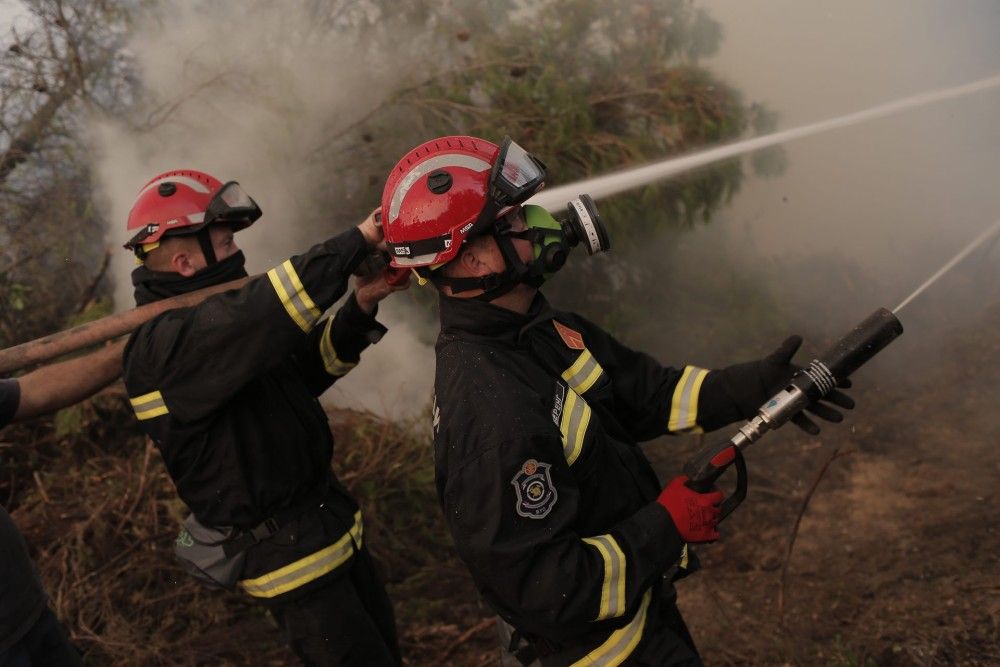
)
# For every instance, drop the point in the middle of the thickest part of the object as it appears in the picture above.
(858, 219)
(896, 194)
(861, 215)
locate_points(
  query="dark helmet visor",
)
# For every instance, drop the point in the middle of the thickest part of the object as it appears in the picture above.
(231, 204)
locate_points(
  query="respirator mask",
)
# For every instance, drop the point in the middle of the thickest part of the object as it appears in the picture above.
(552, 238)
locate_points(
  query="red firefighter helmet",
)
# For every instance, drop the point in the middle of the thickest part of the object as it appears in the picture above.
(433, 197)
(184, 201)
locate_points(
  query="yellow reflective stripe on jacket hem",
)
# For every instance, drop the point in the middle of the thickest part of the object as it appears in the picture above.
(307, 569)
(573, 426)
(683, 562)
(149, 405)
(684, 405)
(619, 646)
(584, 372)
(333, 365)
(613, 586)
(293, 295)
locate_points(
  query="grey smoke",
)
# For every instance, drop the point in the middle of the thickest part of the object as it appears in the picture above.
(246, 91)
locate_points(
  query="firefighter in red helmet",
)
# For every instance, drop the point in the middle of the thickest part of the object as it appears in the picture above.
(228, 392)
(568, 532)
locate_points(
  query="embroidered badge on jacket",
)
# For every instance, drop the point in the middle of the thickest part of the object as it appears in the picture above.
(558, 403)
(573, 339)
(536, 494)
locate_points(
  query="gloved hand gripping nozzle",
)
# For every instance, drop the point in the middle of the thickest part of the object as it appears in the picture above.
(808, 385)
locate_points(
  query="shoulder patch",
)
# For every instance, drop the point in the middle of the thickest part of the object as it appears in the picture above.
(573, 339)
(536, 494)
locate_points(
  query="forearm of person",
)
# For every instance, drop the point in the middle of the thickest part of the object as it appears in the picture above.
(62, 384)
(335, 347)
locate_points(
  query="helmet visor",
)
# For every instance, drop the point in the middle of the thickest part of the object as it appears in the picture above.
(231, 204)
(516, 175)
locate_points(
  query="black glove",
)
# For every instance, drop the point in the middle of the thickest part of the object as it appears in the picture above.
(776, 369)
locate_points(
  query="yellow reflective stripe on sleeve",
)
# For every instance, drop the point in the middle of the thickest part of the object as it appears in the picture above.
(684, 405)
(307, 569)
(619, 646)
(149, 405)
(573, 426)
(613, 586)
(293, 295)
(584, 372)
(683, 562)
(333, 365)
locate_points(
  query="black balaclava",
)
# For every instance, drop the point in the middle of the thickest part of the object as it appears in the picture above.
(152, 286)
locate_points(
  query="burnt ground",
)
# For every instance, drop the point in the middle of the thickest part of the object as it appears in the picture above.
(897, 557)
(895, 562)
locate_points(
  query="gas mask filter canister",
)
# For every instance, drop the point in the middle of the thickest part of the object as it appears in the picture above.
(552, 239)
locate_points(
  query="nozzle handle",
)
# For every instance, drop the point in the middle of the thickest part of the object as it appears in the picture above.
(704, 470)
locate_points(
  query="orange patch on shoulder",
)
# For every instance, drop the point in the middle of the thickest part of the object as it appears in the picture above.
(573, 339)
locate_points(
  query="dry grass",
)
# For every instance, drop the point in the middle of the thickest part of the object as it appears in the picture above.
(100, 513)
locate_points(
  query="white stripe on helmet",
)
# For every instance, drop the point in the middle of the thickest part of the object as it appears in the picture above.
(436, 162)
(192, 183)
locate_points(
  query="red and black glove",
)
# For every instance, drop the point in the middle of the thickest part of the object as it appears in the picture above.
(696, 515)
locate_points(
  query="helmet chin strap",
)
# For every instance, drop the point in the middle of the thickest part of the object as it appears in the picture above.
(495, 285)
(205, 241)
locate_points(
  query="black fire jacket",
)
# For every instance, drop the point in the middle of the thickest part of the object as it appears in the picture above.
(551, 503)
(228, 392)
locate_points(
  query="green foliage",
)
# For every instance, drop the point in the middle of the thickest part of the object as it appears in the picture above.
(591, 87)
(95, 310)
(17, 295)
(69, 421)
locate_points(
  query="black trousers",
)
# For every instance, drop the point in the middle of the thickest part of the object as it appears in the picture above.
(45, 645)
(348, 621)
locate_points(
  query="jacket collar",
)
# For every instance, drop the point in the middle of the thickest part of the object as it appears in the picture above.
(469, 318)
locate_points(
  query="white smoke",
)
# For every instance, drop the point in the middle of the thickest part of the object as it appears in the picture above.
(247, 92)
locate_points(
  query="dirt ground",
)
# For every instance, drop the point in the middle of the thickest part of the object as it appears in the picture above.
(896, 561)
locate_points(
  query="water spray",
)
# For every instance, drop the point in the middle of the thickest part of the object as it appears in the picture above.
(979, 240)
(611, 184)
(808, 385)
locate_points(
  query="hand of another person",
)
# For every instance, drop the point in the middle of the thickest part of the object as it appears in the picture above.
(696, 515)
(777, 369)
(372, 288)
